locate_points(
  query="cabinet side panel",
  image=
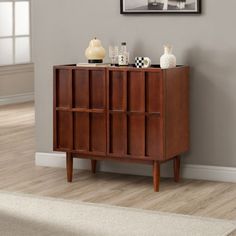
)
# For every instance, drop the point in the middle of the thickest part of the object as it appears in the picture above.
(81, 131)
(97, 89)
(80, 88)
(98, 132)
(62, 88)
(64, 130)
(177, 111)
(136, 135)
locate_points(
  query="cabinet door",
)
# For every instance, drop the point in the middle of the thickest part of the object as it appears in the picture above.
(135, 116)
(89, 110)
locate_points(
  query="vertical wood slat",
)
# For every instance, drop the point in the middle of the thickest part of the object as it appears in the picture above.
(80, 100)
(98, 133)
(81, 131)
(80, 88)
(94, 101)
(60, 116)
(125, 102)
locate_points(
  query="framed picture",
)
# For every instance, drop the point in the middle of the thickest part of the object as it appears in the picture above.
(160, 6)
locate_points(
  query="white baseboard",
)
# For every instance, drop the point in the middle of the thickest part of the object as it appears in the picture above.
(200, 172)
(18, 98)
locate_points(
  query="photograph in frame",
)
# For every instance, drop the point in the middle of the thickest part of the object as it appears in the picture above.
(160, 6)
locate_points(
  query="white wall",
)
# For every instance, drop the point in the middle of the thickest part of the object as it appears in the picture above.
(62, 30)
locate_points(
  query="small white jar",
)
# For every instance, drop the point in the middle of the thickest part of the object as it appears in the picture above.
(168, 60)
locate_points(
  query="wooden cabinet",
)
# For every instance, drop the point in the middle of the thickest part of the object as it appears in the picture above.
(123, 114)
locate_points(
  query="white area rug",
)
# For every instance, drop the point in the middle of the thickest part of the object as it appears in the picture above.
(24, 215)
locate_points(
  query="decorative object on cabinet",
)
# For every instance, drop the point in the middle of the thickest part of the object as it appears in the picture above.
(122, 114)
(168, 60)
(95, 53)
(123, 58)
(142, 62)
(160, 6)
(113, 54)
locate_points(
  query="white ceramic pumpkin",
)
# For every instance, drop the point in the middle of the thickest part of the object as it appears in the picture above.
(95, 53)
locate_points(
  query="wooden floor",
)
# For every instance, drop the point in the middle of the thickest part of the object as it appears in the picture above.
(19, 174)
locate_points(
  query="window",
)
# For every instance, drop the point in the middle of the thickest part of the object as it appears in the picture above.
(15, 38)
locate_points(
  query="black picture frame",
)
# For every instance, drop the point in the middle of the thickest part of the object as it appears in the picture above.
(163, 12)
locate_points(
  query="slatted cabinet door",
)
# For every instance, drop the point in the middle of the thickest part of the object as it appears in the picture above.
(89, 110)
(135, 117)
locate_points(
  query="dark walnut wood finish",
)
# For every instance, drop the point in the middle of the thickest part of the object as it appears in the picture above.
(124, 114)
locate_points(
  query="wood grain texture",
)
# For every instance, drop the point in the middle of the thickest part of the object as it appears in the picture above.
(176, 166)
(153, 102)
(69, 166)
(64, 130)
(81, 131)
(156, 175)
(18, 173)
(176, 84)
(93, 166)
(81, 89)
(125, 112)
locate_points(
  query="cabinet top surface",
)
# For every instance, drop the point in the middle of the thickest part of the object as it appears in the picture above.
(130, 67)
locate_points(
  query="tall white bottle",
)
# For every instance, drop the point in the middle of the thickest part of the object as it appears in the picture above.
(123, 58)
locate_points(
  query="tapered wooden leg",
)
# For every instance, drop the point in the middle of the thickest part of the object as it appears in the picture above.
(69, 166)
(156, 175)
(176, 168)
(93, 166)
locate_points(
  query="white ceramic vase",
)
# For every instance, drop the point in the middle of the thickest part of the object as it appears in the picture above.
(168, 60)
